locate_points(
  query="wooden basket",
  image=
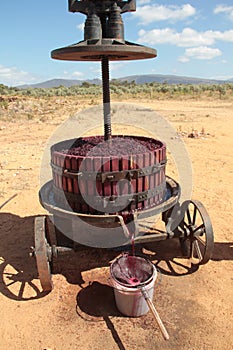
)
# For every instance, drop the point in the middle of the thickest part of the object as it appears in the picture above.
(109, 184)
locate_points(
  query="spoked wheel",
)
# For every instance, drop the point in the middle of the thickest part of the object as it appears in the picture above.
(43, 253)
(197, 240)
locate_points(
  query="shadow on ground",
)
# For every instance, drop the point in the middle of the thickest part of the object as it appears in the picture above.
(18, 271)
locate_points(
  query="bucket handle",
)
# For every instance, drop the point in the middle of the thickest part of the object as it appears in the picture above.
(155, 313)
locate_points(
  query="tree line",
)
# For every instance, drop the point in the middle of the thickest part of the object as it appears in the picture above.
(123, 88)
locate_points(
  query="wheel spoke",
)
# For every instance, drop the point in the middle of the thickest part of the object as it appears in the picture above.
(189, 216)
(195, 231)
(21, 290)
(181, 228)
(194, 215)
(10, 284)
(199, 239)
(191, 250)
(33, 286)
(198, 250)
(169, 265)
(185, 224)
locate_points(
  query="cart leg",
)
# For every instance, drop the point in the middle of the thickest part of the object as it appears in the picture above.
(43, 254)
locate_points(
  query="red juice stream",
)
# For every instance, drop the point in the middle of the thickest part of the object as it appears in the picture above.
(133, 245)
(131, 260)
(130, 230)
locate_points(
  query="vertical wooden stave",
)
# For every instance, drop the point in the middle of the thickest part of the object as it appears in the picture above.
(90, 188)
(163, 170)
(140, 180)
(133, 182)
(69, 181)
(106, 167)
(115, 166)
(151, 176)
(68, 178)
(74, 167)
(60, 175)
(55, 175)
(106, 186)
(82, 185)
(146, 184)
(62, 166)
(98, 190)
(157, 174)
(124, 184)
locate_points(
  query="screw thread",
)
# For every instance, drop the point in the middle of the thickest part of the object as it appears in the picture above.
(106, 98)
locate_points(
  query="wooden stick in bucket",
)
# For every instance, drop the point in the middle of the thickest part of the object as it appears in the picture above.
(155, 314)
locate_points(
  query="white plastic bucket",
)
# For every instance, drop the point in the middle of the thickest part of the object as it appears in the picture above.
(129, 299)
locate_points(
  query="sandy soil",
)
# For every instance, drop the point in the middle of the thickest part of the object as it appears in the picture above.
(194, 304)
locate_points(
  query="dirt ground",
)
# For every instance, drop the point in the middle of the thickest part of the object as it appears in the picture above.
(195, 304)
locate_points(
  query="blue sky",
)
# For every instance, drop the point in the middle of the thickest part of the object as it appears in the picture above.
(192, 38)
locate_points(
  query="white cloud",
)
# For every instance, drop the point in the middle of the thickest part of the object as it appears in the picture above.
(143, 2)
(95, 68)
(77, 75)
(187, 38)
(115, 66)
(221, 77)
(196, 43)
(81, 26)
(183, 59)
(224, 36)
(13, 76)
(151, 13)
(227, 10)
(200, 53)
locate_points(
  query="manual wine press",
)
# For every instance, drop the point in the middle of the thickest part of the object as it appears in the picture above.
(85, 201)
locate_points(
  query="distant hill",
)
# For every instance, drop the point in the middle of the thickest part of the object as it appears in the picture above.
(58, 82)
(169, 79)
(138, 79)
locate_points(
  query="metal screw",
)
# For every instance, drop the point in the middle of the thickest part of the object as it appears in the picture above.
(106, 99)
(32, 252)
